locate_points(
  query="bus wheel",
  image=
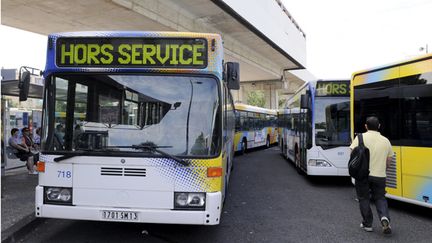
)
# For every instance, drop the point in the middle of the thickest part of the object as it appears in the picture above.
(297, 161)
(225, 189)
(243, 147)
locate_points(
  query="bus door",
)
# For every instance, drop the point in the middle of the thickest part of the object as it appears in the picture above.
(303, 126)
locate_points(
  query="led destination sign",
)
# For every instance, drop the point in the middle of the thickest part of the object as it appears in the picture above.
(333, 88)
(132, 52)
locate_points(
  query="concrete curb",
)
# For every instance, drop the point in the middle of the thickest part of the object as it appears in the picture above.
(21, 228)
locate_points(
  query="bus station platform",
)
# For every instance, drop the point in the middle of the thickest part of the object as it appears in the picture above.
(17, 203)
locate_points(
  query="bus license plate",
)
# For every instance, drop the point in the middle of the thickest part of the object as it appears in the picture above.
(120, 215)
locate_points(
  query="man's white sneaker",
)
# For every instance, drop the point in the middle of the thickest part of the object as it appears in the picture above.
(365, 228)
(385, 222)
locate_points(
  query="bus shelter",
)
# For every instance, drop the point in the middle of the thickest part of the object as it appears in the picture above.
(16, 114)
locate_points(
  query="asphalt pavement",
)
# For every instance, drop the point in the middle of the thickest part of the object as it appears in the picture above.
(267, 202)
(17, 203)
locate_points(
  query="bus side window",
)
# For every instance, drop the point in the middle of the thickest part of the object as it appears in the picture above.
(243, 122)
(237, 121)
(153, 112)
(289, 122)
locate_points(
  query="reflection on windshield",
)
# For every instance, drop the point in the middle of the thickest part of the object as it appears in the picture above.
(332, 122)
(101, 112)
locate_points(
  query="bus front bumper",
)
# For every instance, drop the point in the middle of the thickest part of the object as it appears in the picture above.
(209, 216)
(326, 171)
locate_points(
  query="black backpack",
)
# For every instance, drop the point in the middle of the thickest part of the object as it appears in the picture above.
(358, 164)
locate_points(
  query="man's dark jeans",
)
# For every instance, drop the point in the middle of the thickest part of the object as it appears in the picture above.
(372, 188)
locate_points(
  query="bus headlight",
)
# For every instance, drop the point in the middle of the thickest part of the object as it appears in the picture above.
(189, 200)
(58, 195)
(318, 163)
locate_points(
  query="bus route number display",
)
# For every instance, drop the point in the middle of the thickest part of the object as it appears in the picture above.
(330, 88)
(132, 52)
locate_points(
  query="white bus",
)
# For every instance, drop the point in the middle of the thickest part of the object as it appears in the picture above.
(314, 128)
(137, 127)
(255, 127)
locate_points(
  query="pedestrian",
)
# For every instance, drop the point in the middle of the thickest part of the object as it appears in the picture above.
(21, 150)
(373, 187)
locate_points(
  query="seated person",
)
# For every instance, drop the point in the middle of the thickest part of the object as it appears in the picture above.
(21, 150)
(27, 138)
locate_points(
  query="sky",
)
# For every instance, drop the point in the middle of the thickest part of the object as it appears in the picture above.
(342, 36)
(345, 36)
(21, 48)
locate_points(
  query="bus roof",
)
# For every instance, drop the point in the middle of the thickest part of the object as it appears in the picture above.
(135, 51)
(286, 111)
(392, 65)
(244, 107)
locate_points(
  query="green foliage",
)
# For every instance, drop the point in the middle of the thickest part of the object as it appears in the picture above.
(282, 102)
(256, 98)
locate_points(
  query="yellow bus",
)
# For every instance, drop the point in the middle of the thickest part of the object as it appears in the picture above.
(255, 127)
(137, 127)
(400, 95)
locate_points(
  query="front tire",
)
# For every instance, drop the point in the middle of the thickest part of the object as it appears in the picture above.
(243, 147)
(297, 160)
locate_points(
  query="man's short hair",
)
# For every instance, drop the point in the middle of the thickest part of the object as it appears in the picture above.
(372, 123)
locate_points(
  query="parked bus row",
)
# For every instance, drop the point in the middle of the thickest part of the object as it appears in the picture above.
(157, 125)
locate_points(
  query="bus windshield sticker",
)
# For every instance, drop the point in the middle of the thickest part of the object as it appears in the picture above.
(132, 52)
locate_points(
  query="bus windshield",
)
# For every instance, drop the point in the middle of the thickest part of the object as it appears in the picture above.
(125, 113)
(332, 124)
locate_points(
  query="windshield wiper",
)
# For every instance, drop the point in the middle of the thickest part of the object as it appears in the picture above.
(154, 148)
(145, 147)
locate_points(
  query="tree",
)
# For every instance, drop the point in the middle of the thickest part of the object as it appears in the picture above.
(282, 102)
(256, 98)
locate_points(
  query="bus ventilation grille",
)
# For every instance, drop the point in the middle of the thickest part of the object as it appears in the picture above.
(110, 171)
(391, 180)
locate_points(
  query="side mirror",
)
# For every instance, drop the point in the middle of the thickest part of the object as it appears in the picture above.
(24, 85)
(176, 105)
(232, 76)
(304, 101)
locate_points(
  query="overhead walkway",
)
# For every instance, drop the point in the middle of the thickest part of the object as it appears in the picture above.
(261, 35)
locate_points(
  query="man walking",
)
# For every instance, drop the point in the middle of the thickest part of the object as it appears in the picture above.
(381, 154)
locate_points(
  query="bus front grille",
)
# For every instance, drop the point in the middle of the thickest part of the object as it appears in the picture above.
(111, 171)
(391, 180)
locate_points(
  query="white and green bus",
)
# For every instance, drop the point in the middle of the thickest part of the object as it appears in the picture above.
(314, 128)
(146, 127)
(255, 127)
